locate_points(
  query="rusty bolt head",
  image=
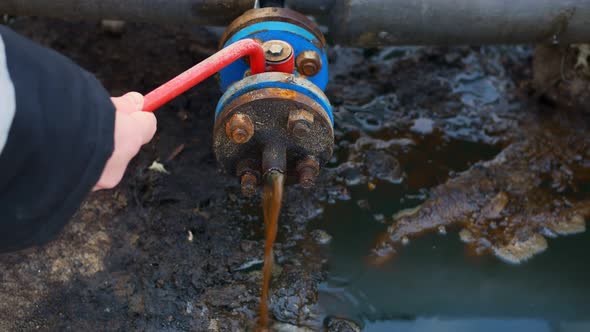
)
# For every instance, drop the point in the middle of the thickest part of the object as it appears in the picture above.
(309, 63)
(301, 129)
(300, 123)
(239, 128)
(277, 50)
(308, 170)
(249, 182)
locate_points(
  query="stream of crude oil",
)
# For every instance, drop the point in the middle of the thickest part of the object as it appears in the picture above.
(271, 204)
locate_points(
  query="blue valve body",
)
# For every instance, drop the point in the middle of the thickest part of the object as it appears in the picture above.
(300, 39)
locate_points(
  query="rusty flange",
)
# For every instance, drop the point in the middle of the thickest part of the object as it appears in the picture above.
(271, 109)
(257, 15)
(274, 26)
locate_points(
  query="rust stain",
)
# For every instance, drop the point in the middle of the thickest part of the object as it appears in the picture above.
(253, 16)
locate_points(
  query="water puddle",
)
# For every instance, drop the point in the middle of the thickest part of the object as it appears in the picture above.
(435, 282)
(435, 286)
(442, 169)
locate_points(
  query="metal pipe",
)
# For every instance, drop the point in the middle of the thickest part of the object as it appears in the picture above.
(205, 69)
(444, 22)
(311, 7)
(198, 12)
(274, 158)
(363, 23)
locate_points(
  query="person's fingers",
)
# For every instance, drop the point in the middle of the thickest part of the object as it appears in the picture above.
(133, 129)
(127, 143)
(146, 123)
(113, 171)
(128, 103)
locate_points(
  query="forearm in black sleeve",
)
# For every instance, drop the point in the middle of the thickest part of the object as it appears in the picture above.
(58, 135)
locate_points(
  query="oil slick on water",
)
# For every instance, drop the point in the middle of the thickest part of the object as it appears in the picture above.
(479, 182)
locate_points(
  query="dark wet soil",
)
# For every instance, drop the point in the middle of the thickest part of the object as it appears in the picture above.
(534, 188)
(172, 252)
(183, 251)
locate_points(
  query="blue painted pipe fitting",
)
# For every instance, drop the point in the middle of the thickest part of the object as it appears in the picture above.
(275, 109)
(300, 39)
(301, 36)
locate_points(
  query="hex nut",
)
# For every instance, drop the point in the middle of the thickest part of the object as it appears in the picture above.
(308, 170)
(276, 51)
(300, 123)
(239, 128)
(309, 63)
(249, 183)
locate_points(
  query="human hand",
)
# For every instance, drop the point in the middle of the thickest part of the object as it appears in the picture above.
(133, 128)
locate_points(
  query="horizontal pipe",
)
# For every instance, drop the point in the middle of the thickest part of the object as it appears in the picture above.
(196, 12)
(311, 7)
(364, 23)
(446, 22)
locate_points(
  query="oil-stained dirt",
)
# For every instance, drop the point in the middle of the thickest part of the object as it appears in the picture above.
(164, 252)
(562, 75)
(183, 251)
(534, 188)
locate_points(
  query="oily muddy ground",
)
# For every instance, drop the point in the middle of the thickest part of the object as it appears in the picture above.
(162, 252)
(535, 188)
(183, 251)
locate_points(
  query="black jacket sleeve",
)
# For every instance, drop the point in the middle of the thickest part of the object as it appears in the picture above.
(59, 140)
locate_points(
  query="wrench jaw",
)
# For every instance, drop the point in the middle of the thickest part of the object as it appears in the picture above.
(285, 107)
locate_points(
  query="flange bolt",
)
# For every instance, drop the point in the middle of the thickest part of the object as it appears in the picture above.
(308, 170)
(300, 123)
(309, 63)
(239, 128)
(276, 51)
(249, 183)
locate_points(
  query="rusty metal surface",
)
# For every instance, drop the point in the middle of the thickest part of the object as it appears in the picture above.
(309, 63)
(308, 170)
(277, 51)
(239, 128)
(277, 77)
(300, 122)
(274, 157)
(249, 184)
(269, 110)
(272, 14)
